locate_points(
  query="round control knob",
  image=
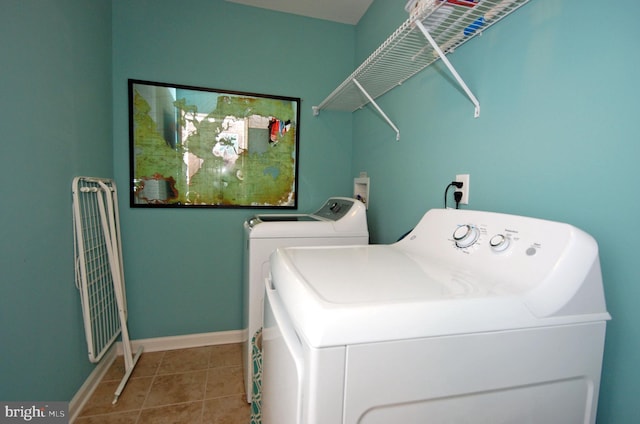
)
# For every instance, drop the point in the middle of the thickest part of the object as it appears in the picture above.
(499, 243)
(335, 207)
(465, 235)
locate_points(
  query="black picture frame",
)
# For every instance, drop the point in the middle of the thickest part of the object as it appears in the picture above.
(196, 147)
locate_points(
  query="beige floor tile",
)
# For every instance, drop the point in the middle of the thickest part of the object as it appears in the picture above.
(224, 381)
(147, 366)
(132, 397)
(116, 418)
(169, 387)
(226, 410)
(225, 355)
(182, 360)
(176, 388)
(183, 413)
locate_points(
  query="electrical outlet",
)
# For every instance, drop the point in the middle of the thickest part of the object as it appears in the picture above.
(464, 179)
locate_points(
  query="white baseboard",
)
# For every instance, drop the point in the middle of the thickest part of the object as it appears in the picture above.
(149, 345)
(185, 341)
(89, 386)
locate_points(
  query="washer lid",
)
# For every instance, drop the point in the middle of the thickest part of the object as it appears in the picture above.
(375, 275)
(360, 294)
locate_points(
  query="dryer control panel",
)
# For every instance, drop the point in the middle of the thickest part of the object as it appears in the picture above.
(338, 217)
(335, 208)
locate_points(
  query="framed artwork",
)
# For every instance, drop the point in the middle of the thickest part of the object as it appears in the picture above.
(196, 147)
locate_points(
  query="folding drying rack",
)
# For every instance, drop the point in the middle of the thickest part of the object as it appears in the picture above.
(99, 270)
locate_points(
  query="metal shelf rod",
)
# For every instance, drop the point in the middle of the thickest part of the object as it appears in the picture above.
(380, 111)
(453, 71)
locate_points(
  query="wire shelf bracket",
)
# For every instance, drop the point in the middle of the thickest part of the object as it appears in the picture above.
(449, 66)
(380, 111)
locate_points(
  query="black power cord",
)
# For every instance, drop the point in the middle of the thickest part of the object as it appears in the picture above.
(457, 195)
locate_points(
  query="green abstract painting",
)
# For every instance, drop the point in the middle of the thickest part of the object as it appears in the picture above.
(201, 147)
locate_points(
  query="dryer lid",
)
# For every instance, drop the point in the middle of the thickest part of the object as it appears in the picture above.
(338, 217)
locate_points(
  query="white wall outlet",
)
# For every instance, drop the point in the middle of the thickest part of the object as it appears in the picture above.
(464, 179)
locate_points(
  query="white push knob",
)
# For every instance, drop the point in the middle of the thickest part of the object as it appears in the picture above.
(499, 243)
(465, 235)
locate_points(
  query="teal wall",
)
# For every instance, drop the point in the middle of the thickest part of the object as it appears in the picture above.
(55, 115)
(63, 111)
(556, 139)
(184, 267)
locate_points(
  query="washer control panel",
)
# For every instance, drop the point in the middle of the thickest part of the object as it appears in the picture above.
(479, 253)
(466, 236)
(487, 235)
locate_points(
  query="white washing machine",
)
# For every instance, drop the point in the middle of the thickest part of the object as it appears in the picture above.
(473, 317)
(340, 221)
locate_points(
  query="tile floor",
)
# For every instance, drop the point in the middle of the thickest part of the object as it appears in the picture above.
(192, 386)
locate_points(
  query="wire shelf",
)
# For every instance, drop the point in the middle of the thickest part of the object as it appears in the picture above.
(406, 52)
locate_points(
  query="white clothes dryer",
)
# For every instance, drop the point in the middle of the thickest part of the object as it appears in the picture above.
(340, 221)
(473, 317)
